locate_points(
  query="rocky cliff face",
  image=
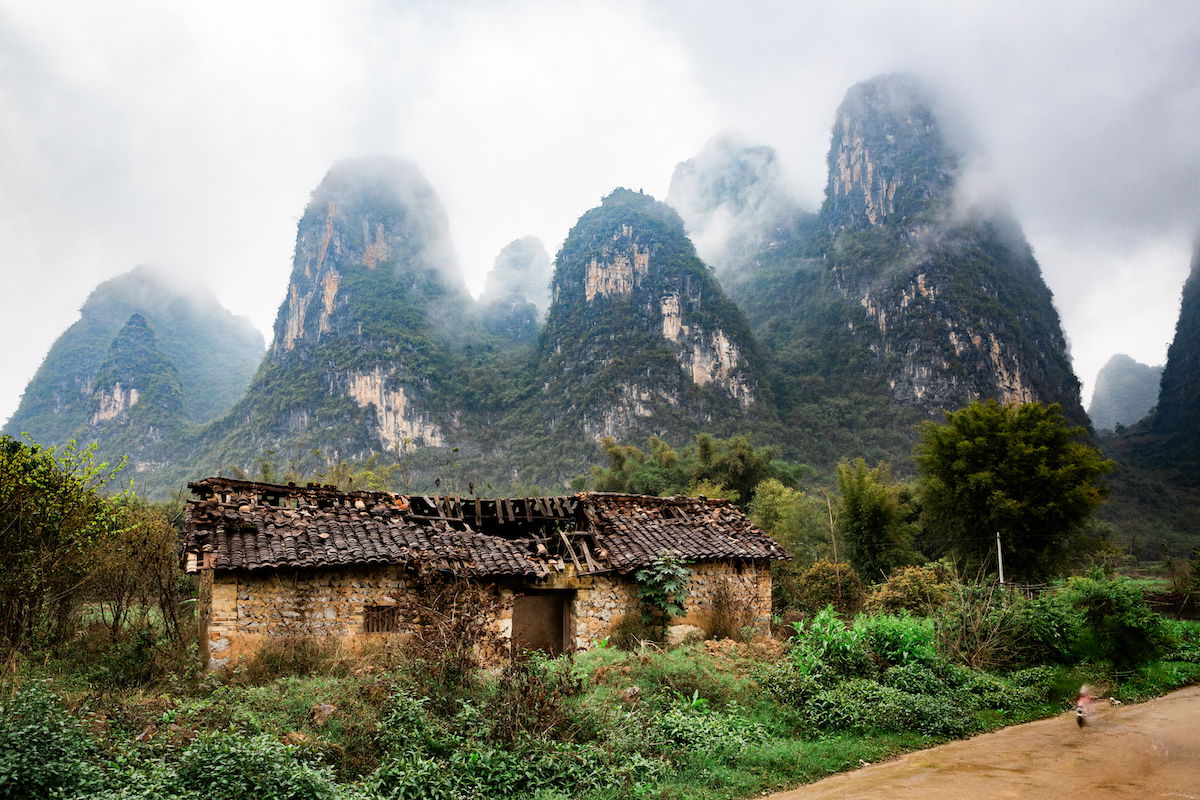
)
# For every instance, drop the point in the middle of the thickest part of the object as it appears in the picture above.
(889, 160)
(640, 338)
(950, 301)
(1178, 412)
(136, 404)
(1125, 392)
(361, 360)
(213, 352)
(896, 297)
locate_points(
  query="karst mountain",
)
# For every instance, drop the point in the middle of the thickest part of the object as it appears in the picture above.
(826, 332)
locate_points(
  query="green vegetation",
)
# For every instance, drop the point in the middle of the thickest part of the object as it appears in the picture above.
(1016, 470)
(213, 352)
(709, 720)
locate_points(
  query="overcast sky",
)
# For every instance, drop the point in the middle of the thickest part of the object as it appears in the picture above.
(189, 135)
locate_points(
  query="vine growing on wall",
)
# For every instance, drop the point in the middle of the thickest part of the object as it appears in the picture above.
(662, 588)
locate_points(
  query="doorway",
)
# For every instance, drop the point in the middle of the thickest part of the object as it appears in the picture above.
(540, 621)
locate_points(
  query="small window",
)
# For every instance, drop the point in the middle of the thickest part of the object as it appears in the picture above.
(381, 619)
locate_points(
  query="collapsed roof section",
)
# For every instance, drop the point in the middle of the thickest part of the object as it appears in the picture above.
(243, 525)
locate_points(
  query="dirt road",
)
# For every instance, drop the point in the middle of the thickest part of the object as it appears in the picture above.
(1151, 750)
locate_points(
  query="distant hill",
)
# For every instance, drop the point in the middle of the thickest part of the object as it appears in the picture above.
(213, 352)
(1126, 391)
(828, 334)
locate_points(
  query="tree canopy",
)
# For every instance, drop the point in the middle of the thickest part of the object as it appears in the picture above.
(1019, 470)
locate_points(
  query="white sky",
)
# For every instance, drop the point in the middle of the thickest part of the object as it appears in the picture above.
(189, 135)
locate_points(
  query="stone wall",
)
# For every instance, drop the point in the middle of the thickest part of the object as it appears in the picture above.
(247, 608)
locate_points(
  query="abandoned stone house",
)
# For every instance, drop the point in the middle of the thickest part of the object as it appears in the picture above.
(284, 560)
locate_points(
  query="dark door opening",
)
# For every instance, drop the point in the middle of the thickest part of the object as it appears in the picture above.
(540, 621)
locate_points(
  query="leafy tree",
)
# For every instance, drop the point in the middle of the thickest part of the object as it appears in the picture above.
(875, 525)
(798, 521)
(1019, 470)
(52, 519)
(713, 467)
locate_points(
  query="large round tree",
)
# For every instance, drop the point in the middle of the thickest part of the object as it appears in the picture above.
(1018, 470)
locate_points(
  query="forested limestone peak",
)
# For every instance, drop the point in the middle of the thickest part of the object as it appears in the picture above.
(732, 198)
(888, 159)
(521, 270)
(1178, 409)
(1126, 391)
(367, 215)
(639, 335)
(214, 353)
(134, 373)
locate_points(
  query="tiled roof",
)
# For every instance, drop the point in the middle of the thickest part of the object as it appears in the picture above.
(630, 531)
(245, 525)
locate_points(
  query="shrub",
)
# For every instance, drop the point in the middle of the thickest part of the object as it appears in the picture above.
(980, 627)
(1118, 625)
(281, 656)
(897, 639)
(663, 589)
(453, 637)
(728, 616)
(915, 678)
(691, 724)
(43, 749)
(786, 684)
(530, 699)
(629, 632)
(1047, 629)
(864, 705)
(830, 583)
(919, 590)
(826, 645)
(233, 767)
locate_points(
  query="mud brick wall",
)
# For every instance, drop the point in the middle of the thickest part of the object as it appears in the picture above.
(247, 608)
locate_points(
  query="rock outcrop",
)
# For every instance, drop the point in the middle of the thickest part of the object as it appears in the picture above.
(640, 338)
(136, 406)
(362, 357)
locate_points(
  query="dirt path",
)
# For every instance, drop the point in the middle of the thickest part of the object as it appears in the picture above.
(1151, 750)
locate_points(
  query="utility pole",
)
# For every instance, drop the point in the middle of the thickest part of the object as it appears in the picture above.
(1000, 557)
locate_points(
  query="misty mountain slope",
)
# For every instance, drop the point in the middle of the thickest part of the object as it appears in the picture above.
(214, 354)
(516, 292)
(1125, 392)
(1178, 411)
(640, 339)
(364, 358)
(136, 404)
(733, 202)
(1154, 500)
(893, 303)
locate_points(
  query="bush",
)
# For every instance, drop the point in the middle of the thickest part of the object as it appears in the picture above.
(282, 656)
(919, 590)
(1047, 629)
(691, 724)
(233, 767)
(864, 705)
(629, 632)
(1118, 625)
(728, 616)
(897, 639)
(826, 645)
(830, 583)
(529, 699)
(915, 678)
(44, 751)
(980, 627)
